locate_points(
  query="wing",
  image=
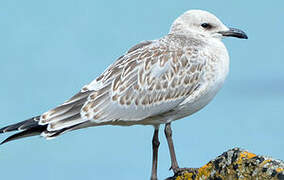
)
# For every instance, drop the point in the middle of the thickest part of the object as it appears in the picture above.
(149, 80)
(153, 77)
(68, 115)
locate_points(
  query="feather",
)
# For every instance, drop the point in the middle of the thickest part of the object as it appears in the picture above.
(27, 133)
(23, 125)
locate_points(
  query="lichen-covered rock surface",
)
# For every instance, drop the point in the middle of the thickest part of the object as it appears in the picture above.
(233, 165)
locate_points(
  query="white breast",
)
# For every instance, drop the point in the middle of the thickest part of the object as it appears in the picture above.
(213, 80)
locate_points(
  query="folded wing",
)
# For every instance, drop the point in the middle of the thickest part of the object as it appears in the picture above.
(152, 78)
(147, 81)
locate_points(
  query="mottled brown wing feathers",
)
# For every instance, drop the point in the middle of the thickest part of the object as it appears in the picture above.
(148, 80)
(153, 77)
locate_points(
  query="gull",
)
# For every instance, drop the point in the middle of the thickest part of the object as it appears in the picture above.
(155, 82)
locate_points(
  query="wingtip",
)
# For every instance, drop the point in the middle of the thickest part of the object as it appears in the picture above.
(3, 130)
(10, 138)
(5, 141)
(27, 133)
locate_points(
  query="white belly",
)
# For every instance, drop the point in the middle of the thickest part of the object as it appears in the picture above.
(192, 105)
(188, 106)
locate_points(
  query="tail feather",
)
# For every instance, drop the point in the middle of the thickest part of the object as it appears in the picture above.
(31, 127)
(27, 133)
(28, 128)
(24, 125)
(55, 122)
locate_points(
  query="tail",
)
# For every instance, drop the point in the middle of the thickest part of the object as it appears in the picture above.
(63, 118)
(31, 127)
(28, 128)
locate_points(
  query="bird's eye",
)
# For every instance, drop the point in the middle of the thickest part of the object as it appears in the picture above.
(206, 26)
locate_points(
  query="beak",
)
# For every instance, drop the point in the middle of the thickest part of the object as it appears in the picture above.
(233, 32)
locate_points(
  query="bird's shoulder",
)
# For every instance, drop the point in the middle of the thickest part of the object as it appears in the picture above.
(147, 53)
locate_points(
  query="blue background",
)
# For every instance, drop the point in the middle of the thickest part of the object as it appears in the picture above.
(50, 49)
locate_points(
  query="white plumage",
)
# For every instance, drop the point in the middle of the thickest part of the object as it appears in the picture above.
(155, 82)
(177, 75)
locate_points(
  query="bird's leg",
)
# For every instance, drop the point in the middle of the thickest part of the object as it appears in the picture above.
(155, 145)
(168, 133)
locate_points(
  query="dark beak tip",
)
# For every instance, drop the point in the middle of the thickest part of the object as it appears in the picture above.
(233, 32)
(243, 35)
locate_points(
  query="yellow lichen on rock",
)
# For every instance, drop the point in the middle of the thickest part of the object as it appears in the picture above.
(236, 164)
(279, 170)
(204, 171)
(247, 155)
(186, 175)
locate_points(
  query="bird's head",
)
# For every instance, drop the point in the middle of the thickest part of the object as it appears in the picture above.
(205, 24)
